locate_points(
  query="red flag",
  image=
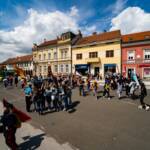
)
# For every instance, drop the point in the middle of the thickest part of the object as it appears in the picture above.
(21, 115)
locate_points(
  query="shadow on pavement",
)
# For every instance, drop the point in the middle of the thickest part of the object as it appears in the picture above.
(73, 106)
(31, 143)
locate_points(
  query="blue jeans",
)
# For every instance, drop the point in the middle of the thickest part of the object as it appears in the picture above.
(66, 101)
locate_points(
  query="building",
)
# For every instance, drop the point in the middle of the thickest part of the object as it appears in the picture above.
(98, 54)
(44, 54)
(23, 62)
(64, 49)
(57, 53)
(136, 54)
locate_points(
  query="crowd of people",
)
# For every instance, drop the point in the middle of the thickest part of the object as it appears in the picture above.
(133, 87)
(54, 92)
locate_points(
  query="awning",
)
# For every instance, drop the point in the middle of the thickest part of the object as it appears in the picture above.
(109, 65)
(9, 67)
(144, 65)
(92, 60)
(82, 66)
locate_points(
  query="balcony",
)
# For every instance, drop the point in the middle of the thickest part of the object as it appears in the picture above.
(52, 60)
(64, 58)
(136, 61)
(93, 60)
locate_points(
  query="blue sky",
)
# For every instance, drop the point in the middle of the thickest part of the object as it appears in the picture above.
(23, 22)
(13, 12)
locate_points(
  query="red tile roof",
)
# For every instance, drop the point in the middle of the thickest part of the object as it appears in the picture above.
(47, 43)
(140, 36)
(100, 37)
(20, 59)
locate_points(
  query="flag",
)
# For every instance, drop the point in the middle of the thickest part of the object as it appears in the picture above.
(21, 115)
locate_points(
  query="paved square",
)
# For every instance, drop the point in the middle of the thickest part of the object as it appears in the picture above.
(93, 124)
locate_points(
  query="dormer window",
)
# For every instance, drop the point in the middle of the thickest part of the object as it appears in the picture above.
(147, 37)
(130, 38)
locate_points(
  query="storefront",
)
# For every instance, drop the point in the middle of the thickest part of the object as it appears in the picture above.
(146, 70)
(82, 69)
(109, 68)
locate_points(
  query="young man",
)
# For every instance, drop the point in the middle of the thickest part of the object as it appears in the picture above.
(28, 96)
(142, 96)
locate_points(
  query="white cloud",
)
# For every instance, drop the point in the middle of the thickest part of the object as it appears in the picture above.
(116, 7)
(89, 29)
(34, 29)
(74, 12)
(130, 20)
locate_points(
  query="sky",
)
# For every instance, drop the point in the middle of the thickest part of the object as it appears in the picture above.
(24, 22)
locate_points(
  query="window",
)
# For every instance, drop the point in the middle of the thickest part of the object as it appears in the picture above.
(49, 55)
(131, 55)
(64, 54)
(61, 54)
(93, 55)
(110, 53)
(44, 56)
(61, 68)
(147, 54)
(45, 68)
(55, 55)
(55, 68)
(40, 69)
(147, 37)
(39, 57)
(79, 56)
(67, 68)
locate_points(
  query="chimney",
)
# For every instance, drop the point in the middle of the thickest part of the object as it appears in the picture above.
(34, 45)
(44, 40)
(79, 33)
(94, 33)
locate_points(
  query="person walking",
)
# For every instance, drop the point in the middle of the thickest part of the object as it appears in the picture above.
(16, 80)
(143, 93)
(9, 121)
(107, 90)
(28, 96)
(119, 88)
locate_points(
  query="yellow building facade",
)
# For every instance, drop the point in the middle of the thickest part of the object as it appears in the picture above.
(55, 53)
(97, 54)
(44, 55)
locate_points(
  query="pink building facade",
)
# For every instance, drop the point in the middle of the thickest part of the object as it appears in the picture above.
(136, 55)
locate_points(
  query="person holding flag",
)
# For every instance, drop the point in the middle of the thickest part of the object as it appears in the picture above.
(11, 120)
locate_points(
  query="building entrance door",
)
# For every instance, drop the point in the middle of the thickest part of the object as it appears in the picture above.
(96, 71)
(130, 71)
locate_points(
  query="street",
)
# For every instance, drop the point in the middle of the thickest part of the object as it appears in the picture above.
(91, 125)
